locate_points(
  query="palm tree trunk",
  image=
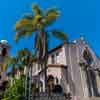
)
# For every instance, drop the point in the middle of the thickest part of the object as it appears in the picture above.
(45, 76)
(30, 82)
(26, 84)
(45, 57)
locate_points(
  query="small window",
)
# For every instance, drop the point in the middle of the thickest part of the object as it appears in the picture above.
(57, 57)
(53, 59)
(57, 54)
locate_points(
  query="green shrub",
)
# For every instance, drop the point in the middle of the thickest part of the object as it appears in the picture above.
(16, 91)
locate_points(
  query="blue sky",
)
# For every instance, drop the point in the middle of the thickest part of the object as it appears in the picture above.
(78, 17)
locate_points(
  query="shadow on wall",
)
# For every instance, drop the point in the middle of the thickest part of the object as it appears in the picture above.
(68, 79)
(94, 84)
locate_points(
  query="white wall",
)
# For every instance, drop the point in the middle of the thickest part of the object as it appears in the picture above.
(60, 59)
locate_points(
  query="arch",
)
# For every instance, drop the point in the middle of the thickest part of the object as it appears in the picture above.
(41, 86)
(4, 51)
(50, 78)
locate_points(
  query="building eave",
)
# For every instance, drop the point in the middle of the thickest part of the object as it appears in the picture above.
(57, 48)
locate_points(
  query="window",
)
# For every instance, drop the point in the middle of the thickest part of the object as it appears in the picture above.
(57, 54)
(55, 58)
(4, 52)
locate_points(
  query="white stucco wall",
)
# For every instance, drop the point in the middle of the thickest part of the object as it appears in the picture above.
(70, 55)
(61, 58)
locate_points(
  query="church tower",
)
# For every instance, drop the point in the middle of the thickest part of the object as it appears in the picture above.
(4, 52)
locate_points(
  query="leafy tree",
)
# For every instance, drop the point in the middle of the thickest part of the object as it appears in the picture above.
(15, 91)
(11, 62)
(23, 59)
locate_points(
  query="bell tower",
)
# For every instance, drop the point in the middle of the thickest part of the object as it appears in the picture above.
(4, 52)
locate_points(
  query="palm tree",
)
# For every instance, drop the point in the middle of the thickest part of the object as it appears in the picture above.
(26, 59)
(37, 23)
(11, 63)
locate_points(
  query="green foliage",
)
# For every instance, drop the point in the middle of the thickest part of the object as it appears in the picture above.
(36, 21)
(5, 99)
(37, 9)
(25, 57)
(60, 34)
(16, 91)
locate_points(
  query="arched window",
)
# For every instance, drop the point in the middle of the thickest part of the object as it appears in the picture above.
(50, 78)
(50, 82)
(4, 51)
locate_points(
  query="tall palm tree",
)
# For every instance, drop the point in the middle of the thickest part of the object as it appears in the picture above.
(37, 23)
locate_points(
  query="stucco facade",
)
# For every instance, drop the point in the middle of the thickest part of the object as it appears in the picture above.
(63, 63)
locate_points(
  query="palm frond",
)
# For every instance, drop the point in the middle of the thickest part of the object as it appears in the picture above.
(51, 15)
(60, 34)
(26, 27)
(23, 52)
(24, 56)
(33, 58)
(11, 61)
(37, 10)
(28, 16)
(23, 33)
(19, 35)
(22, 23)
